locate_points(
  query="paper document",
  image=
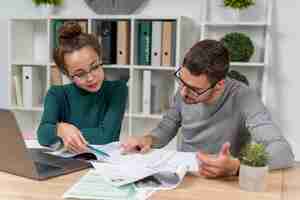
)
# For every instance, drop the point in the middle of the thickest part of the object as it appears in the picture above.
(123, 169)
(93, 186)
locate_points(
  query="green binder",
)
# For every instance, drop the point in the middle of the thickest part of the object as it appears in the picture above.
(144, 42)
(56, 24)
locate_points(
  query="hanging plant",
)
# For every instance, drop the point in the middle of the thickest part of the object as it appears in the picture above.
(238, 4)
(239, 45)
(48, 2)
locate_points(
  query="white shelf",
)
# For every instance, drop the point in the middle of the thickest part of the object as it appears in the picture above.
(249, 24)
(26, 29)
(22, 63)
(247, 64)
(217, 21)
(116, 66)
(20, 108)
(147, 67)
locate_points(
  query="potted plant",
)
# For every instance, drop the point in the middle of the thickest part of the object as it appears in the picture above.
(238, 4)
(239, 45)
(240, 8)
(253, 168)
(47, 6)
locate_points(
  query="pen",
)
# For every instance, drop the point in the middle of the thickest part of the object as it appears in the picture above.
(98, 151)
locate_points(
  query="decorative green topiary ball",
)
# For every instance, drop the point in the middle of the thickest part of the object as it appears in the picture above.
(238, 4)
(239, 46)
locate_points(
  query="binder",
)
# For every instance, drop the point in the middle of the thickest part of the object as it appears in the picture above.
(156, 50)
(84, 26)
(32, 87)
(144, 42)
(168, 43)
(137, 99)
(56, 24)
(147, 92)
(123, 46)
(40, 49)
(107, 36)
(17, 86)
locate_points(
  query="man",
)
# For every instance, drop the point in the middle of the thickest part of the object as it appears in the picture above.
(216, 115)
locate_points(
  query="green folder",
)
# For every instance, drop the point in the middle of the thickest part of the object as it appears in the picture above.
(56, 24)
(144, 42)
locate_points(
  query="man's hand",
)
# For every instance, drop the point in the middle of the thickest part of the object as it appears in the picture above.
(72, 137)
(218, 166)
(140, 144)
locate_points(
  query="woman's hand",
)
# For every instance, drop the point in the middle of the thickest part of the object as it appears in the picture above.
(72, 137)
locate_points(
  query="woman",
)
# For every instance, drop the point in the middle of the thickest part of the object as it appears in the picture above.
(90, 109)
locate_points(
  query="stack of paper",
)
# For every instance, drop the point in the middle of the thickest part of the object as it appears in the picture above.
(134, 175)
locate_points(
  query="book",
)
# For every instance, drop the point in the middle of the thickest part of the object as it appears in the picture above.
(18, 90)
(123, 42)
(40, 50)
(168, 43)
(147, 92)
(156, 50)
(84, 25)
(31, 86)
(56, 24)
(106, 32)
(144, 42)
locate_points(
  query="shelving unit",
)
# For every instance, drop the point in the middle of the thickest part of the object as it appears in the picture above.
(216, 21)
(31, 43)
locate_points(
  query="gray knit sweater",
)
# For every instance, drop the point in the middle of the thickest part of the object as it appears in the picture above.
(235, 117)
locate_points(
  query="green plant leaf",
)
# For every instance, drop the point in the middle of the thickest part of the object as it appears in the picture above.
(50, 2)
(254, 154)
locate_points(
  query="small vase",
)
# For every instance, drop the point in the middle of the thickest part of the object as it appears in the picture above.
(236, 15)
(253, 178)
(46, 9)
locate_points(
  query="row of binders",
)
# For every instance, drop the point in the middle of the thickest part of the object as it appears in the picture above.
(27, 87)
(114, 36)
(157, 91)
(156, 43)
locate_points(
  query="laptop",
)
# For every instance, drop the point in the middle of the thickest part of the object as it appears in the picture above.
(16, 158)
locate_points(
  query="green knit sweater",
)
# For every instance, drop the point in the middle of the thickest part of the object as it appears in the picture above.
(97, 115)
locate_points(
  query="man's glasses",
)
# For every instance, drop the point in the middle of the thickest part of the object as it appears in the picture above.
(83, 76)
(196, 92)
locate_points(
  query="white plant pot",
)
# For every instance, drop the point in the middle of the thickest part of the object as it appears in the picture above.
(46, 9)
(253, 178)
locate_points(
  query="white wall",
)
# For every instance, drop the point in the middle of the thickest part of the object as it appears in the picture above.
(284, 92)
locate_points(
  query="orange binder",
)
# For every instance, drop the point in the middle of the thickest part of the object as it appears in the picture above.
(168, 44)
(123, 42)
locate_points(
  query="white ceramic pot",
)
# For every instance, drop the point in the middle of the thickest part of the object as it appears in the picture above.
(253, 178)
(46, 9)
